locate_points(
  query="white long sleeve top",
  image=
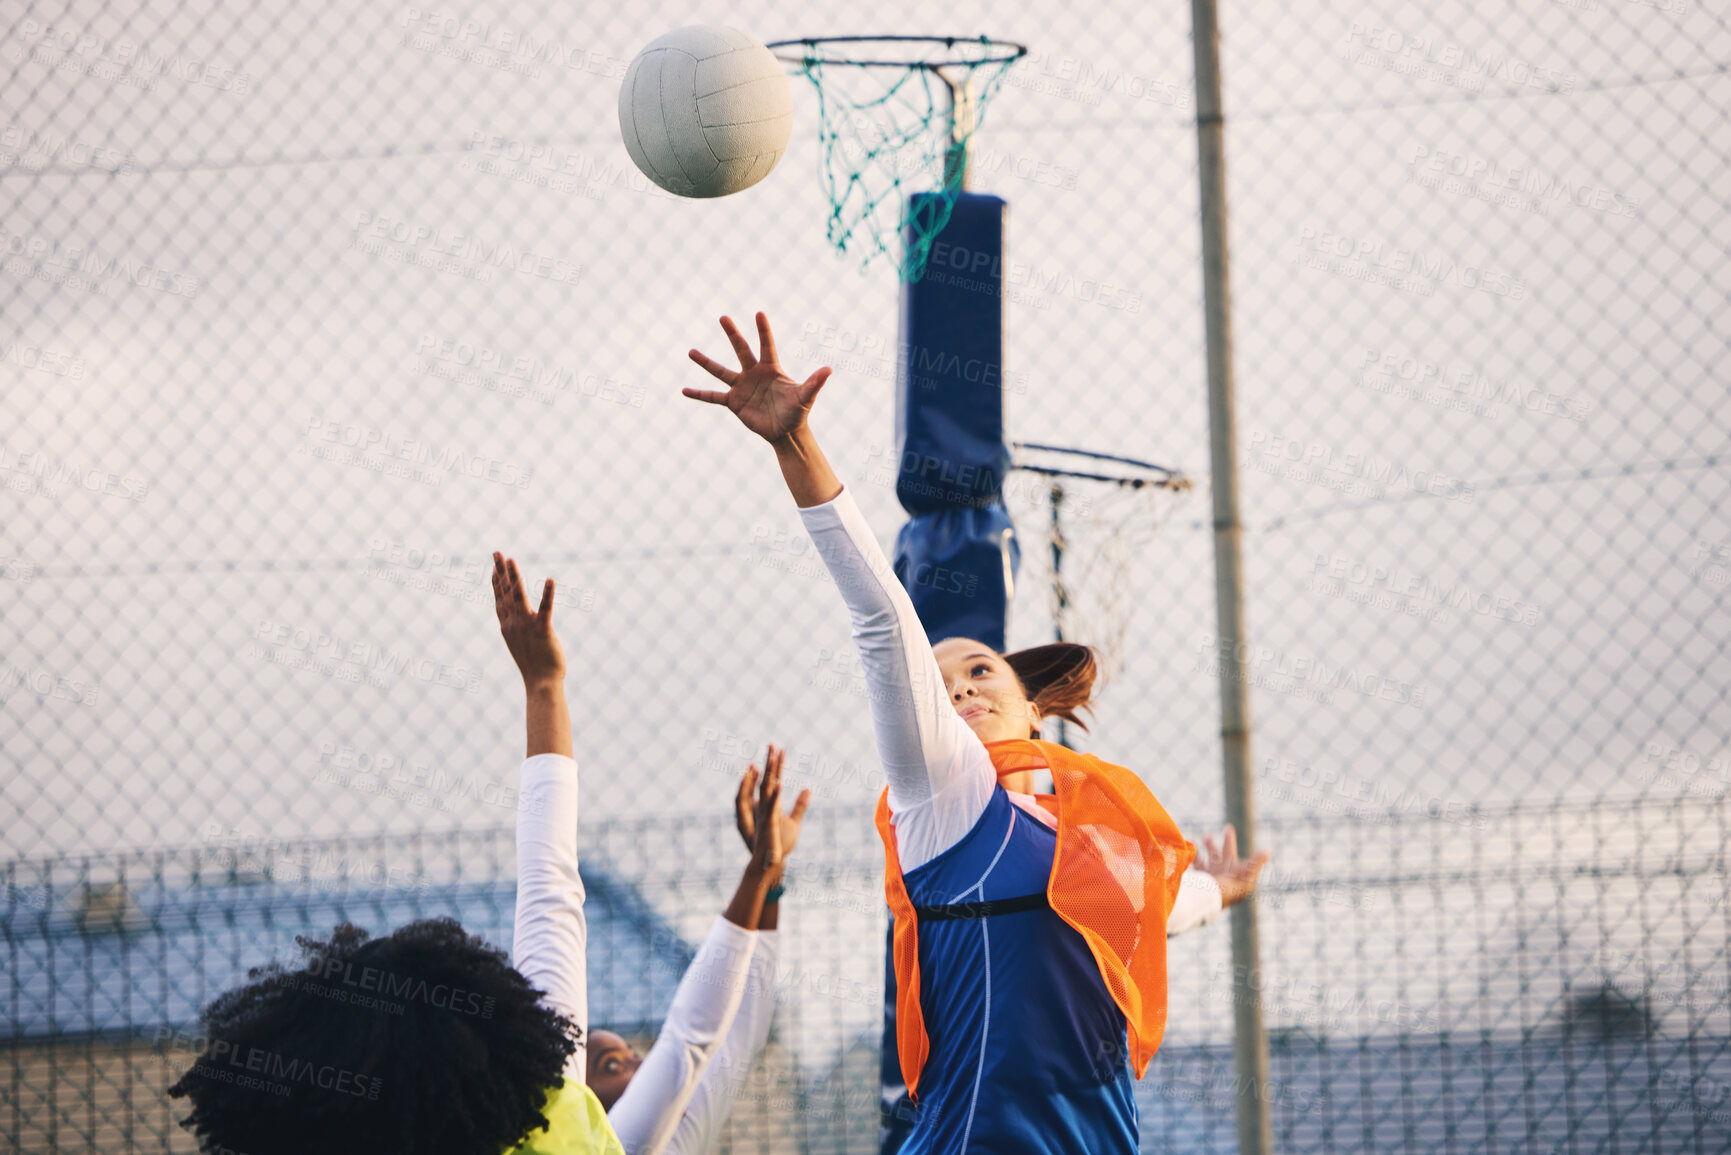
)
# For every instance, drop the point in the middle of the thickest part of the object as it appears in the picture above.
(549, 933)
(939, 773)
(680, 1097)
(700, 1124)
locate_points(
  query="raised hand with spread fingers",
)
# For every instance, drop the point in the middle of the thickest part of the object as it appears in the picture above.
(769, 832)
(775, 407)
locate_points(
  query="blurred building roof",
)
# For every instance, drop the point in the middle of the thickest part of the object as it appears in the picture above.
(134, 952)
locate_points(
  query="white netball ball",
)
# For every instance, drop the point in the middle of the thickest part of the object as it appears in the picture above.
(705, 111)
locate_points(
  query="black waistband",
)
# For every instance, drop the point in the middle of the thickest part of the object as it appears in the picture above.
(982, 909)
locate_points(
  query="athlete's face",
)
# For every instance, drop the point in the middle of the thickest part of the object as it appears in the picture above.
(612, 1062)
(984, 690)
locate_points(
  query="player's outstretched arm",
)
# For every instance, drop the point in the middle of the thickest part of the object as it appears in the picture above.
(928, 753)
(550, 933)
(775, 407)
(678, 1096)
(705, 1116)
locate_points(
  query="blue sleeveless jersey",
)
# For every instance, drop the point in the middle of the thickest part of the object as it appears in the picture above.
(1028, 1050)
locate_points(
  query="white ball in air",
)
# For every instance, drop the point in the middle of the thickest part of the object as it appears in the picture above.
(705, 111)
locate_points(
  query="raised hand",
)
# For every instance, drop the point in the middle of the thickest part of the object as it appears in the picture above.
(1236, 876)
(528, 633)
(769, 834)
(764, 398)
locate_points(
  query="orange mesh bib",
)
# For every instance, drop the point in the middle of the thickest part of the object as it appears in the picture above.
(1115, 876)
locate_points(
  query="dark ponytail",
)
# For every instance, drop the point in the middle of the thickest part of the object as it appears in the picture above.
(1058, 678)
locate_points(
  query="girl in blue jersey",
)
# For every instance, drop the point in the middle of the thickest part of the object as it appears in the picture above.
(1026, 1045)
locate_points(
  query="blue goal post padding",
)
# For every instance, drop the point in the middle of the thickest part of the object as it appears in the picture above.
(957, 554)
(958, 566)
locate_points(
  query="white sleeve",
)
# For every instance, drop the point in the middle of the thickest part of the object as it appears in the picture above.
(703, 1011)
(940, 776)
(549, 935)
(1197, 903)
(700, 1128)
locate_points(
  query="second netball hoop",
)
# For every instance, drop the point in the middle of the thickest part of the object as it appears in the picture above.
(1097, 513)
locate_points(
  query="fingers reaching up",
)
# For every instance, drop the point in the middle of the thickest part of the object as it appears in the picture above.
(716, 370)
(745, 807)
(742, 348)
(769, 833)
(509, 599)
(764, 398)
(528, 633)
(765, 340)
(767, 839)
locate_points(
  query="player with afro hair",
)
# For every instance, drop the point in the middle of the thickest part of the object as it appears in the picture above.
(428, 1040)
(425, 1039)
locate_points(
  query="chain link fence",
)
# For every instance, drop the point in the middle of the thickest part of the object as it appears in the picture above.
(308, 308)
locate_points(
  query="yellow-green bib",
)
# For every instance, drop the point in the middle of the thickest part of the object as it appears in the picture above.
(576, 1125)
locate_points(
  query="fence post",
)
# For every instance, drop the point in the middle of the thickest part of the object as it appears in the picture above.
(1250, 1042)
